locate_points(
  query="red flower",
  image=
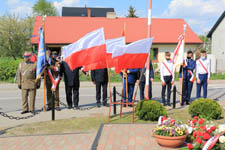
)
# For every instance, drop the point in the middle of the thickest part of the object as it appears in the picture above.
(201, 121)
(194, 133)
(213, 128)
(206, 136)
(209, 131)
(173, 121)
(203, 128)
(199, 133)
(190, 146)
(196, 117)
(194, 121)
(198, 139)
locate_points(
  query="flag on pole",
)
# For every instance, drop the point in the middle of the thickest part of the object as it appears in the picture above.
(133, 55)
(111, 45)
(41, 60)
(178, 55)
(89, 49)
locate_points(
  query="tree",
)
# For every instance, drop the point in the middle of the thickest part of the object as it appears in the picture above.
(132, 12)
(43, 7)
(15, 35)
(206, 43)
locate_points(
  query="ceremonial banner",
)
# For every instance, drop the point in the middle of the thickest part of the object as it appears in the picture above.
(133, 55)
(178, 55)
(89, 49)
(109, 62)
(41, 60)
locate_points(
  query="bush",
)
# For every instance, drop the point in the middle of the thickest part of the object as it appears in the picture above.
(206, 108)
(8, 68)
(150, 110)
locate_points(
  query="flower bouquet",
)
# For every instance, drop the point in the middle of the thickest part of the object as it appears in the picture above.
(169, 132)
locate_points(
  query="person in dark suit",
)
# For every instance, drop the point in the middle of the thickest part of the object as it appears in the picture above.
(100, 79)
(72, 84)
(142, 81)
(188, 77)
(132, 75)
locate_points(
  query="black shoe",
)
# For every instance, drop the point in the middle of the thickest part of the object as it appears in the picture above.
(104, 103)
(168, 104)
(49, 108)
(98, 105)
(130, 105)
(58, 109)
(187, 103)
(124, 105)
(70, 107)
(24, 112)
(77, 108)
(182, 104)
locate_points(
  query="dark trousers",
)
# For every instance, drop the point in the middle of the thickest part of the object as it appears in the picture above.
(104, 92)
(186, 90)
(71, 90)
(130, 91)
(168, 80)
(203, 83)
(142, 89)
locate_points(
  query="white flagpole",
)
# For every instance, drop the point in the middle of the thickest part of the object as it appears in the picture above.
(148, 60)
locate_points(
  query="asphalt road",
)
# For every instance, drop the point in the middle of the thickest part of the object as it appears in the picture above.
(10, 95)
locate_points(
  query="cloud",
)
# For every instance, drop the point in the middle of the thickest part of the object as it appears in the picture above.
(70, 3)
(20, 7)
(200, 14)
(12, 2)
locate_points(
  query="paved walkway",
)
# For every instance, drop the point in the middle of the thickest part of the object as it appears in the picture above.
(128, 137)
(48, 142)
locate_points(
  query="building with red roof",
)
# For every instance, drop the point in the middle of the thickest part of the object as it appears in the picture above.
(60, 31)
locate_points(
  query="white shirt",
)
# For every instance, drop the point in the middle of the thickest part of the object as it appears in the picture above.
(200, 69)
(164, 71)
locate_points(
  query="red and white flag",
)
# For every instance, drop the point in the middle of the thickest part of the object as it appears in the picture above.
(133, 55)
(109, 62)
(89, 49)
(178, 55)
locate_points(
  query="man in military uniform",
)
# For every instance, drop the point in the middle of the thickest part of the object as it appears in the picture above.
(100, 78)
(26, 75)
(188, 77)
(142, 81)
(53, 67)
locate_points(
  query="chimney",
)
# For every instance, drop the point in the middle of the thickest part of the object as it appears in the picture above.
(111, 15)
(89, 12)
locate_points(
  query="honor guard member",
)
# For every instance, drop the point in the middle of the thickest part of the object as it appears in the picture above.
(202, 74)
(100, 79)
(142, 81)
(132, 76)
(188, 77)
(53, 67)
(167, 77)
(26, 75)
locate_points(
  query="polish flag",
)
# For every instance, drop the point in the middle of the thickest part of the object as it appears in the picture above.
(133, 55)
(178, 57)
(89, 49)
(109, 62)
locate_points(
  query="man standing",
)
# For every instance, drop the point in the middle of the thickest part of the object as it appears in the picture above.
(100, 79)
(131, 75)
(167, 77)
(26, 75)
(202, 74)
(54, 70)
(142, 81)
(188, 77)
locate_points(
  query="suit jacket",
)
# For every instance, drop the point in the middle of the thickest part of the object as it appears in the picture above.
(191, 64)
(26, 75)
(71, 77)
(151, 72)
(132, 76)
(100, 75)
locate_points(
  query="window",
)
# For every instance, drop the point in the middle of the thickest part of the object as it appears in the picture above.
(154, 54)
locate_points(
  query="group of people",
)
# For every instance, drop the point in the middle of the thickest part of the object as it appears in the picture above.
(26, 75)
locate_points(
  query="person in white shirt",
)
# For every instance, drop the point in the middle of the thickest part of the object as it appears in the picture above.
(202, 74)
(167, 77)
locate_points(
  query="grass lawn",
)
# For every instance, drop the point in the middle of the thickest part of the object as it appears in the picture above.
(85, 124)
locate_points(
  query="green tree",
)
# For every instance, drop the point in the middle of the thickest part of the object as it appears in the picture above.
(132, 12)
(15, 35)
(43, 7)
(206, 44)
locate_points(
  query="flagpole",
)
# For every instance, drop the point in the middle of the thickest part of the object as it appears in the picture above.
(181, 90)
(148, 60)
(44, 98)
(109, 86)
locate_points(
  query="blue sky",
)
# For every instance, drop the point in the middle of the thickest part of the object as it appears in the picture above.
(201, 15)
